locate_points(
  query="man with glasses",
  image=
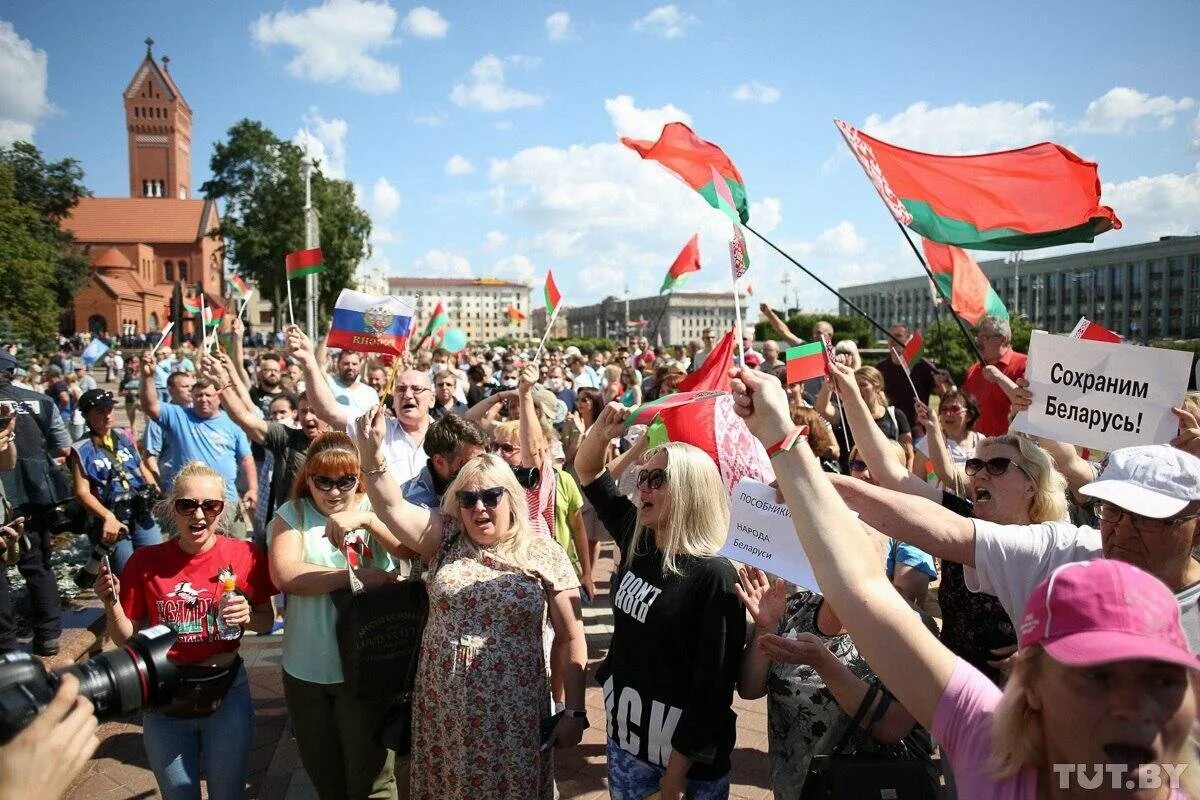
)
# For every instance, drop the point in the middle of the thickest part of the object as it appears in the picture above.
(444, 385)
(993, 336)
(412, 397)
(1147, 500)
(895, 382)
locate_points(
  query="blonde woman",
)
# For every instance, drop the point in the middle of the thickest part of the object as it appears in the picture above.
(482, 687)
(1104, 676)
(678, 626)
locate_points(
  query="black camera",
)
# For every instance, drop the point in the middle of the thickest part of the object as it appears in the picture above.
(137, 676)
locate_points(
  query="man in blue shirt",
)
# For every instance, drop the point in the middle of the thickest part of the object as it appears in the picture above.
(155, 447)
(203, 433)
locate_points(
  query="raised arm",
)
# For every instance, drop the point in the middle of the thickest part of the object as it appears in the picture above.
(589, 461)
(238, 356)
(949, 473)
(316, 387)
(532, 439)
(240, 410)
(148, 392)
(778, 325)
(903, 653)
(823, 403)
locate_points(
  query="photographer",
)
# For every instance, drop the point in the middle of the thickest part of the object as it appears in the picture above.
(112, 482)
(44, 758)
(36, 488)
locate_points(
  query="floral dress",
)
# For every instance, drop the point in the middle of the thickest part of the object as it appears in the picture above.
(482, 685)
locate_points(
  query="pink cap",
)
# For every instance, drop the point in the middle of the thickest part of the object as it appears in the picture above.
(1101, 611)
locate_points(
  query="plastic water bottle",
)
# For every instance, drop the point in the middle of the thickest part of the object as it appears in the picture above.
(224, 629)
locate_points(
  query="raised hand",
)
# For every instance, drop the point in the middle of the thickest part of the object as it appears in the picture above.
(370, 431)
(611, 422)
(766, 601)
(760, 400)
(1189, 431)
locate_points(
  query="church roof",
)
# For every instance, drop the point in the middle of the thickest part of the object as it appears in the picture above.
(150, 68)
(127, 285)
(110, 257)
(145, 220)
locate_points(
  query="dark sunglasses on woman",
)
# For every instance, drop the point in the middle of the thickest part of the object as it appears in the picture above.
(211, 508)
(490, 497)
(327, 484)
(995, 466)
(652, 479)
(507, 447)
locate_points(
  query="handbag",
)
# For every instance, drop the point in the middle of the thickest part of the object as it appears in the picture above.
(201, 690)
(840, 775)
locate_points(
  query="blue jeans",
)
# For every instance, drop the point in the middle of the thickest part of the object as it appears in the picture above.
(630, 778)
(220, 742)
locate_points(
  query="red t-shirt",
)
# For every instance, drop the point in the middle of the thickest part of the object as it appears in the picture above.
(162, 584)
(993, 402)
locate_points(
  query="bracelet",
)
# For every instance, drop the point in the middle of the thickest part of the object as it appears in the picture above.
(226, 386)
(577, 713)
(379, 470)
(789, 441)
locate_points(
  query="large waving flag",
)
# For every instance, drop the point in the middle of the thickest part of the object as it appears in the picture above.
(369, 324)
(713, 374)
(305, 262)
(553, 296)
(687, 261)
(94, 351)
(1038, 196)
(960, 278)
(702, 165)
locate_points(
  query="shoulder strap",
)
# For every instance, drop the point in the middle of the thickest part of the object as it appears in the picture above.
(885, 702)
(891, 412)
(856, 720)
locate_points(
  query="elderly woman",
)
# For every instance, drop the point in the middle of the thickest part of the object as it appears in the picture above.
(183, 583)
(482, 687)
(678, 628)
(1104, 675)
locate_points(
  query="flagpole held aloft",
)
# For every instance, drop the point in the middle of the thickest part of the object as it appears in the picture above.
(962, 326)
(166, 331)
(549, 326)
(291, 313)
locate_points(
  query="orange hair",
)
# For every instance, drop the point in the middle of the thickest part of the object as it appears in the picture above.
(333, 453)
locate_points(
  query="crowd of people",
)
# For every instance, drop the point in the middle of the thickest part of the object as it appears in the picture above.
(975, 632)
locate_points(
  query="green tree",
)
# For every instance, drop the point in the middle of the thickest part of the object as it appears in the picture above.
(850, 327)
(41, 267)
(257, 175)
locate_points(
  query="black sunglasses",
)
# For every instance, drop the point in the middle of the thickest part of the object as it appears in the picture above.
(490, 497)
(343, 484)
(211, 508)
(508, 447)
(652, 479)
(995, 466)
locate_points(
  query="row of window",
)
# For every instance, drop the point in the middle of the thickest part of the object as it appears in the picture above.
(149, 113)
(169, 271)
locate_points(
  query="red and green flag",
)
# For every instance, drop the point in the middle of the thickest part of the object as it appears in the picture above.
(305, 262)
(739, 256)
(438, 323)
(713, 374)
(240, 288)
(553, 296)
(213, 316)
(515, 315)
(960, 278)
(191, 305)
(805, 362)
(923, 467)
(914, 349)
(687, 261)
(701, 164)
(1037, 196)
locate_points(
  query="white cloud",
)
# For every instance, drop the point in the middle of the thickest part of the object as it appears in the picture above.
(425, 23)
(325, 141)
(336, 42)
(666, 21)
(487, 90)
(458, 165)
(963, 128)
(1121, 107)
(436, 120)
(840, 240)
(755, 92)
(1153, 206)
(765, 214)
(384, 198)
(442, 264)
(23, 100)
(558, 27)
(641, 123)
(516, 268)
(494, 240)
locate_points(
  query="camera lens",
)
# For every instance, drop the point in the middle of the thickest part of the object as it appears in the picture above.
(136, 676)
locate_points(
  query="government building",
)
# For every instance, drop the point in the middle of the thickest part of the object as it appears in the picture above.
(479, 306)
(1142, 291)
(678, 317)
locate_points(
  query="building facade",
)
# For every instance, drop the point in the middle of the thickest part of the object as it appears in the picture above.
(478, 306)
(561, 325)
(140, 247)
(679, 317)
(1142, 291)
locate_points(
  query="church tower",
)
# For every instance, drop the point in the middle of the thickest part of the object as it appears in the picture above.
(159, 124)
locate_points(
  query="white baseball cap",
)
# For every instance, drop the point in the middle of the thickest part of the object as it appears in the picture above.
(1156, 480)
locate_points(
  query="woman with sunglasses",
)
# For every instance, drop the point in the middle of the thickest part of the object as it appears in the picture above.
(1012, 481)
(951, 437)
(334, 729)
(482, 686)
(209, 728)
(678, 627)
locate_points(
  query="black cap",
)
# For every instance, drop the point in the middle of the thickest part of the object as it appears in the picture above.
(96, 398)
(7, 362)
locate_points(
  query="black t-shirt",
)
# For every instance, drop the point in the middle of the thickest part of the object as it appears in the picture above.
(892, 430)
(289, 446)
(677, 643)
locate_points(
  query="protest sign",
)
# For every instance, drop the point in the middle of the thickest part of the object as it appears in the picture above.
(1100, 395)
(761, 535)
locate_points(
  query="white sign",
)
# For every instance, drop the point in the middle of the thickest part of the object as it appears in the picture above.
(1100, 395)
(761, 535)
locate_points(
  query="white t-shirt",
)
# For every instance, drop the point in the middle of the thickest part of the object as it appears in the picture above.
(405, 459)
(358, 396)
(1011, 560)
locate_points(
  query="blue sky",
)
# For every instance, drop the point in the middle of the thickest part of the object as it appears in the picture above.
(483, 136)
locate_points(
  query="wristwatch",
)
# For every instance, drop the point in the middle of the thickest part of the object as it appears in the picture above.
(577, 713)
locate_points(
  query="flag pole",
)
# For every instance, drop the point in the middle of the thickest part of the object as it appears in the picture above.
(165, 333)
(737, 315)
(291, 313)
(825, 285)
(203, 324)
(658, 321)
(962, 326)
(549, 325)
(245, 302)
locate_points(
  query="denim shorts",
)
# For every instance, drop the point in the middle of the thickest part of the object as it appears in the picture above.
(630, 778)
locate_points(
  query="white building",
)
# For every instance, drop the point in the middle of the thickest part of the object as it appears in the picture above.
(478, 306)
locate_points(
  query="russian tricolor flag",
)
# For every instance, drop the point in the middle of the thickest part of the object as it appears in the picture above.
(370, 324)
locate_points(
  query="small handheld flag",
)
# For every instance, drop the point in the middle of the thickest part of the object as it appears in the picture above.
(437, 324)
(913, 350)
(191, 305)
(553, 296)
(240, 288)
(739, 258)
(94, 351)
(370, 324)
(304, 262)
(515, 315)
(805, 362)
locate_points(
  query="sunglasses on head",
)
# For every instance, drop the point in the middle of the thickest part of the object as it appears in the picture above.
(652, 479)
(327, 484)
(858, 466)
(508, 448)
(490, 497)
(995, 466)
(211, 508)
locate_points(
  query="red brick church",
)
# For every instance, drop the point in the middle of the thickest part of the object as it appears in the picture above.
(140, 246)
